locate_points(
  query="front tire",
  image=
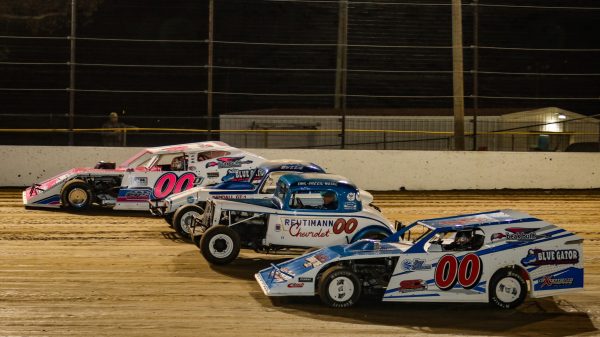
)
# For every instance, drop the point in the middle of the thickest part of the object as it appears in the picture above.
(220, 245)
(184, 218)
(508, 289)
(76, 194)
(339, 288)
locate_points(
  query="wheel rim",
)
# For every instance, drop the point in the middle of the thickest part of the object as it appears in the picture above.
(77, 197)
(508, 290)
(341, 289)
(220, 246)
(186, 221)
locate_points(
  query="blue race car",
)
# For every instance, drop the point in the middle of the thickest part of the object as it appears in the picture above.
(179, 210)
(498, 257)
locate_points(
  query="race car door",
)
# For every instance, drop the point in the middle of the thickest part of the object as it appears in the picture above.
(439, 267)
(160, 177)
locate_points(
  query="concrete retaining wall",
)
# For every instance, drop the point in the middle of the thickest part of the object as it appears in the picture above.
(369, 169)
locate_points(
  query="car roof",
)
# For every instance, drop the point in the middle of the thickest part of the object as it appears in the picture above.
(290, 165)
(192, 147)
(467, 221)
(318, 179)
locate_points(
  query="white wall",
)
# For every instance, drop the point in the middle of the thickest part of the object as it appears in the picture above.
(369, 169)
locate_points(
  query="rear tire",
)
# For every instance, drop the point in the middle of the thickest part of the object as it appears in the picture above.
(508, 289)
(77, 195)
(220, 245)
(183, 219)
(339, 288)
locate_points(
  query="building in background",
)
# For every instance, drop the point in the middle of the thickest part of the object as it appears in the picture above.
(546, 129)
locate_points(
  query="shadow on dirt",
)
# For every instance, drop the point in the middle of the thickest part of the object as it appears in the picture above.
(548, 316)
(533, 318)
(95, 211)
(244, 268)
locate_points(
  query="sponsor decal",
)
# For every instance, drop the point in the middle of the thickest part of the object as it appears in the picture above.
(291, 167)
(540, 257)
(549, 282)
(279, 277)
(518, 234)
(415, 264)
(192, 168)
(317, 183)
(228, 162)
(141, 181)
(134, 195)
(497, 236)
(238, 175)
(351, 205)
(467, 220)
(190, 199)
(295, 285)
(229, 196)
(305, 279)
(408, 286)
(315, 261)
(318, 228)
(278, 227)
(351, 196)
(212, 174)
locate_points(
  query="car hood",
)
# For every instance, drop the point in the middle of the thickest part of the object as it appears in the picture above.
(247, 204)
(277, 278)
(59, 178)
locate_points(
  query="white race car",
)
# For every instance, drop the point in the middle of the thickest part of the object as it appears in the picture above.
(306, 210)
(498, 257)
(153, 173)
(180, 209)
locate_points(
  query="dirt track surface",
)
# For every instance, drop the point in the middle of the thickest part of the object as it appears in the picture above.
(127, 274)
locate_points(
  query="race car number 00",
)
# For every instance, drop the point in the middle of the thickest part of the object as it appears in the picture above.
(169, 183)
(449, 271)
(341, 225)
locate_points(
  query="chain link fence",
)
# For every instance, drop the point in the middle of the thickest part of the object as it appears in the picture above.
(192, 71)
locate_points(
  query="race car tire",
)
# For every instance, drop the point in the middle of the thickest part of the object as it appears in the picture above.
(220, 245)
(508, 289)
(169, 219)
(76, 195)
(339, 287)
(183, 217)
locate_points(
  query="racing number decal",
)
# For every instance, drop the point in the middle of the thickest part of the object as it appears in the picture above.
(169, 183)
(341, 225)
(448, 271)
(469, 271)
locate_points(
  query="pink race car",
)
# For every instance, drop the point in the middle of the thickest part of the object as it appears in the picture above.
(152, 174)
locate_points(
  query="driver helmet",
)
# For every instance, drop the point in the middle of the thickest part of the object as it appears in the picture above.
(462, 238)
(178, 163)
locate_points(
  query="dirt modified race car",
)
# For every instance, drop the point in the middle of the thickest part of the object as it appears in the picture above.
(153, 173)
(497, 257)
(307, 210)
(179, 210)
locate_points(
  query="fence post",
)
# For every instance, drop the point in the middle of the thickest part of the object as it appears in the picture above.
(475, 70)
(457, 70)
(72, 72)
(341, 65)
(209, 89)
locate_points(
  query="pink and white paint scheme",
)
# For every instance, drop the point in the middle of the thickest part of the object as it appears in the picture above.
(151, 174)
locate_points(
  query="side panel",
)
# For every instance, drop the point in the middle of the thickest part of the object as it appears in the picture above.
(438, 277)
(315, 229)
(139, 187)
